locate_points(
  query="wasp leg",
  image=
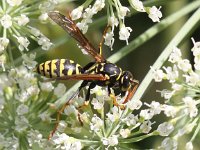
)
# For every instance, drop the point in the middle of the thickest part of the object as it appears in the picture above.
(102, 39)
(91, 86)
(60, 111)
(115, 103)
(87, 98)
(79, 118)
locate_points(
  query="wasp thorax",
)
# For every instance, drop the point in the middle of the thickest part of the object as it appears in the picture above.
(125, 82)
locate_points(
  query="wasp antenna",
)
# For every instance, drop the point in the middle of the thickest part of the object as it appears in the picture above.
(134, 81)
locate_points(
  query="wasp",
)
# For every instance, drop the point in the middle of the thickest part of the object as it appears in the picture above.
(98, 72)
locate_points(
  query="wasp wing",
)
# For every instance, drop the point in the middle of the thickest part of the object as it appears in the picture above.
(68, 25)
(90, 77)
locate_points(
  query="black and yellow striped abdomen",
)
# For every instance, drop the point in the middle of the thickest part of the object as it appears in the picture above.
(59, 68)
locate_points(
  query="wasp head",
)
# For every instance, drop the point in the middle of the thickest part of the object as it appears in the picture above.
(126, 81)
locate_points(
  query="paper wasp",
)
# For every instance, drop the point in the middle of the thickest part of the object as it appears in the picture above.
(100, 72)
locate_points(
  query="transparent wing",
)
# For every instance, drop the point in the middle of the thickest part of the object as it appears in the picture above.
(68, 25)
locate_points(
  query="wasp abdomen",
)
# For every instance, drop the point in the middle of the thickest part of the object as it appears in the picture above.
(59, 68)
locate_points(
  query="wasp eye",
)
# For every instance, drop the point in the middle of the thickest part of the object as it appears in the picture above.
(125, 82)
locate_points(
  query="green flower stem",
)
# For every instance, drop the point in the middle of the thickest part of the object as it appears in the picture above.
(177, 119)
(157, 2)
(5, 32)
(10, 56)
(197, 130)
(111, 128)
(116, 125)
(136, 139)
(4, 5)
(42, 106)
(193, 88)
(98, 147)
(139, 41)
(103, 118)
(184, 31)
(135, 133)
(88, 142)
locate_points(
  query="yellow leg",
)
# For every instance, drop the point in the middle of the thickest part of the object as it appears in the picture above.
(79, 118)
(60, 111)
(115, 103)
(102, 39)
(86, 103)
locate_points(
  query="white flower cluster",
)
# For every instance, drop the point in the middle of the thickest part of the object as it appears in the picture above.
(155, 108)
(181, 68)
(86, 13)
(63, 141)
(184, 81)
(112, 126)
(12, 20)
(23, 104)
(16, 17)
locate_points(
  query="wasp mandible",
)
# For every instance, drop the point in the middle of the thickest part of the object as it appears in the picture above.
(99, 72)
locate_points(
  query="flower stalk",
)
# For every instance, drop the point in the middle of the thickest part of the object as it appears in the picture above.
(188, 26)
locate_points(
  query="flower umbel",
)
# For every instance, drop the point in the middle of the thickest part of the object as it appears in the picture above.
(19, 95)
(16, 17)
(108, 128)
(87, 10)
(184, 81)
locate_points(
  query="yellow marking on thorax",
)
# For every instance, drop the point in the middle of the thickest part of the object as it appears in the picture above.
(96, 70)
(101, 69)
(53, 67)
(92, 68)
(102, 66)
(93, 72)
(46, 64)
(122, 79)
(62, 67)
(120, 73)
(41, 68)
